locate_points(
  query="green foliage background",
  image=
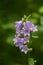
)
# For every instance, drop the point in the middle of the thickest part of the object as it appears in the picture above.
(10, 11)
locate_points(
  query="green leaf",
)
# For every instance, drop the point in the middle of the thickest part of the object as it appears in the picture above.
(31, 61)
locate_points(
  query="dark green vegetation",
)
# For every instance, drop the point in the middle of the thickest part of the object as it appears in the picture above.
(10, 11)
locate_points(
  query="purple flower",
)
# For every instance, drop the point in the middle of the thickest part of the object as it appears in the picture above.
(18, 24)
(26, 32)
(27, 39)
(19, 42)
(25, 49)
(19, 29)
(19, 32)
(30, 26)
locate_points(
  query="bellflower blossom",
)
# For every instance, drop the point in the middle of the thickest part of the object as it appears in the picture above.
(24, 29)
(30, 26)
(18, 26)
(24, 49)
(19, 42)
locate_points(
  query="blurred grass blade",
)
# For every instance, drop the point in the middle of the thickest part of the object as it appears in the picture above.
(35, 36)
(41, 20)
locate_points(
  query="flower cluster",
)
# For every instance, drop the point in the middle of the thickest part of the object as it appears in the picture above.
(23, 28)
